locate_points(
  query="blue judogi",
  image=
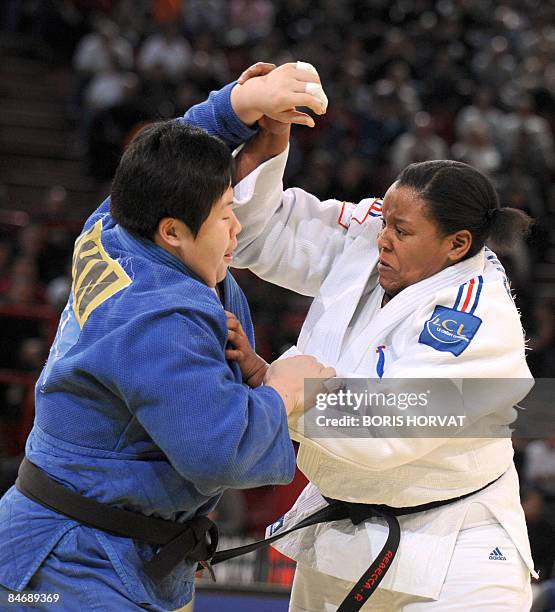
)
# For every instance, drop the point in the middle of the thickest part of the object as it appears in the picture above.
(137, 407)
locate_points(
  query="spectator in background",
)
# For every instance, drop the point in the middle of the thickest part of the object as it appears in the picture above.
(100, 50)
(22, 286)
(205, 15)
(398, 74)
(255, 18)
(111, 110)
(539, 466)
(29, 241)
(482, 109)
(109, 87)
(133, 20)
(476, 148)
(520, 190)
(166, 54)
(495, 63)
(527, 137)
(420, 144)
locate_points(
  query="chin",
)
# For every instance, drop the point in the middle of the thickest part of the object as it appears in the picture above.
(390, 289)
(220, 275)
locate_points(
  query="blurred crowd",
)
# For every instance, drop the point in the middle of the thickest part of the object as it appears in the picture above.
(407, 80)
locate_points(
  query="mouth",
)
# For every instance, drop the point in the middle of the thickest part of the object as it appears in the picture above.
(228, 256)
(383, 266)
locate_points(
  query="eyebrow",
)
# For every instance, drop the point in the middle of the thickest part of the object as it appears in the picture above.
(401, 220)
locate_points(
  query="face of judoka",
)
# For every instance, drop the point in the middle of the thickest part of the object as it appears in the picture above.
(411, 246)
(210, 253)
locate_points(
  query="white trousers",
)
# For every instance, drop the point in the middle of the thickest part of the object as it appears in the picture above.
(474, 582)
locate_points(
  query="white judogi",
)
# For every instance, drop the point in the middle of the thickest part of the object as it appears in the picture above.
(328, 250)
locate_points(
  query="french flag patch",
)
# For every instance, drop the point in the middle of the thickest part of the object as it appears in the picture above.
(359, 213)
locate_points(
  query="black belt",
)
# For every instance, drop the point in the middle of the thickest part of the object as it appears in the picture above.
(195, 540)
(337, 510)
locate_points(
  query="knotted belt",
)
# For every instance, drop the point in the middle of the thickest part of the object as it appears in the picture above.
(197, 539)
(337, 510)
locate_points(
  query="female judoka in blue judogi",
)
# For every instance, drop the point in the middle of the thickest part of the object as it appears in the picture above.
(137, 407)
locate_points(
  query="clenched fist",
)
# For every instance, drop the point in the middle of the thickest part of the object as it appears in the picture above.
(287, 377)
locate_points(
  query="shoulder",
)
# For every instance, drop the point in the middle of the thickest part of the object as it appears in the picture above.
(365, 211)
(476, 316)
(358, 219)
(181, 314)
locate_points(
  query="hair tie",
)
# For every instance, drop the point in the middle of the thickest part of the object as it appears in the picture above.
(490, 213)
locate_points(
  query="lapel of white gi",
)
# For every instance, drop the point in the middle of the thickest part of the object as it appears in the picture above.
(405, 303)
(329, 316)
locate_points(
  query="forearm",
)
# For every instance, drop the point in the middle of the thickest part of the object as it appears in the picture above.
(262, 147)
(256, 371)
(217, 116)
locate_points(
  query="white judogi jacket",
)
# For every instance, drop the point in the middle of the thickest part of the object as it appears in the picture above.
(328, 250)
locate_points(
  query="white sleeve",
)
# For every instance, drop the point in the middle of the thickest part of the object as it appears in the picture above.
(289, 238)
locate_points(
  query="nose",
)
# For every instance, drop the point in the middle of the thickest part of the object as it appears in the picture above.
(237, 227)
(384, 243)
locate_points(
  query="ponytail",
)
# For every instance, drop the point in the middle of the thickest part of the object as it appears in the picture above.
(507, 225)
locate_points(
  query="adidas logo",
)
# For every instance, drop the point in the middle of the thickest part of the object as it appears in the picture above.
(277, 525)
(497, 555)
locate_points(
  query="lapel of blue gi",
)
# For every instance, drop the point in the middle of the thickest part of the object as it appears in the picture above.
(234, 301)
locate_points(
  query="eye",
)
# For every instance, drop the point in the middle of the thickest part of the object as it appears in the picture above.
(400, 232)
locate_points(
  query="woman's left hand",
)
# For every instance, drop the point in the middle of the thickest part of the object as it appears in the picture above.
(253, 367)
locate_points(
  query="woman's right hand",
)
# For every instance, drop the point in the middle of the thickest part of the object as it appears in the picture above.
(275, 92)
(287, 377)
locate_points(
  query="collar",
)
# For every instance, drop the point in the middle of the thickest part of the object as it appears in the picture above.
(150, 250)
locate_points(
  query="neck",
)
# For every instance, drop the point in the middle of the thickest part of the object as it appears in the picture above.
(385, 299)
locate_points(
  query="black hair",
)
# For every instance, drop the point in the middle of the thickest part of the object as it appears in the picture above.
(460, 197)
(170, 169)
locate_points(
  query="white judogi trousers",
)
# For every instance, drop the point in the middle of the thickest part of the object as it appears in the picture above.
(474, 582)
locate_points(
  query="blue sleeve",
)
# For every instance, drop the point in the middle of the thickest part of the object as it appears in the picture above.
(215, 431)
(217, 117)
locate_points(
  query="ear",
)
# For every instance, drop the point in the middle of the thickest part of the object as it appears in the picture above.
(170, 232)
(460, 243)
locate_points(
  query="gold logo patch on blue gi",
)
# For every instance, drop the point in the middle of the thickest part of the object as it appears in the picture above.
(449, 330)
(96, 276)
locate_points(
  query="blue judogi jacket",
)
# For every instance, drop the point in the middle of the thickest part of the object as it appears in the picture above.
(137, 406)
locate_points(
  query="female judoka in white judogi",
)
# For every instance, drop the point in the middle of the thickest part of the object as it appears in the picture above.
(384, 276)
